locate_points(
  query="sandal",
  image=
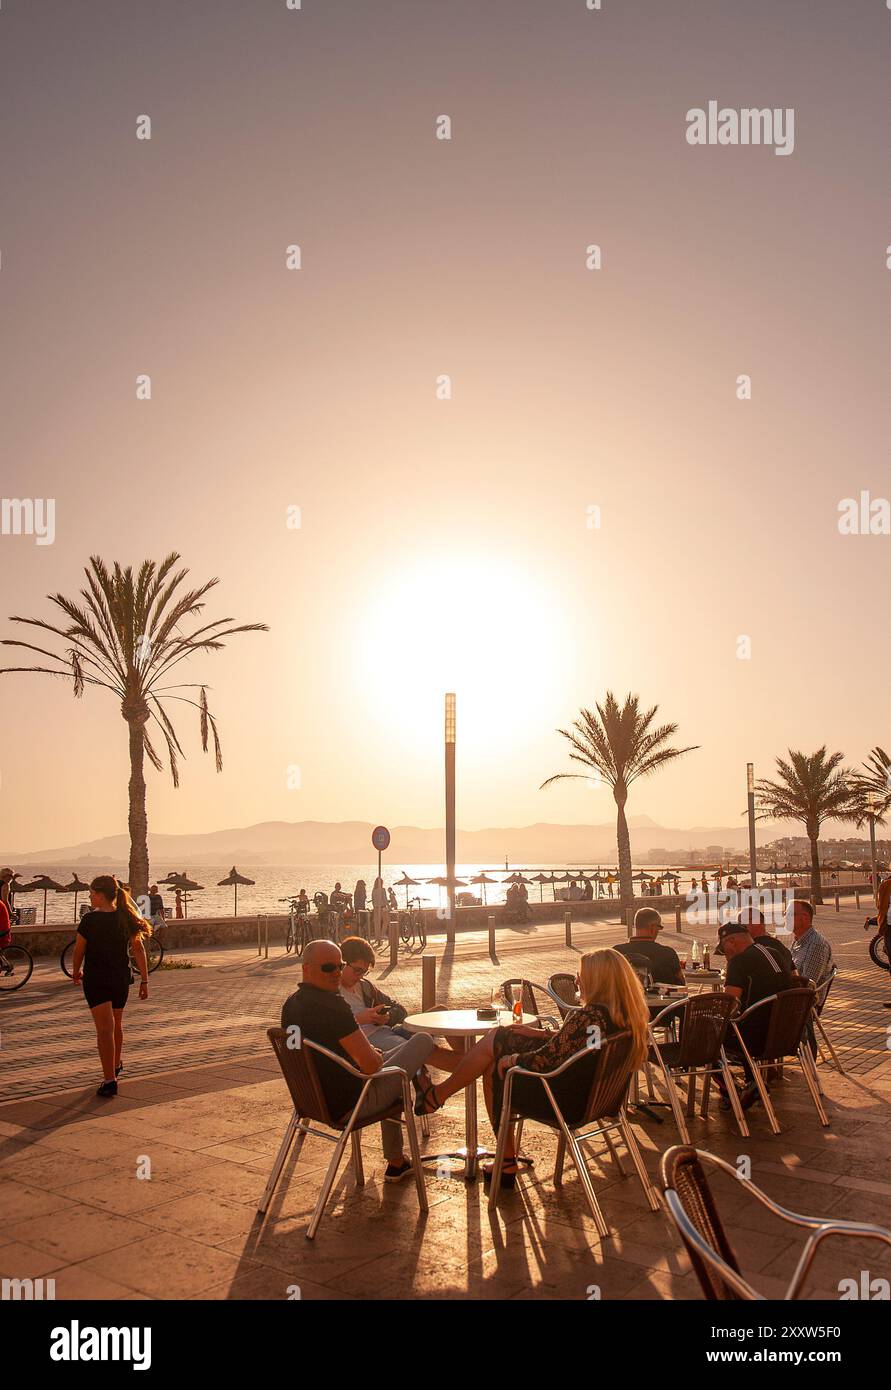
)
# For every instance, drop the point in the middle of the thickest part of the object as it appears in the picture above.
(509, 1170)
(426, 1095)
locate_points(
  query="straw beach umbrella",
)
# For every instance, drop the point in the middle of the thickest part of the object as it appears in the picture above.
(406, 883)
(442, 882)
(75, 887)
(541, 880)
(232, 880)
(43, 885)
(483, 879)
(182, 883)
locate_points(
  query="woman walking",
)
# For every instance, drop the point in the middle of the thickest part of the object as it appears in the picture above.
(104, 939)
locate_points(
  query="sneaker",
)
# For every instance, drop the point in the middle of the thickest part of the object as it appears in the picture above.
(108, 1089)
(748, 1096)
(396, 1171)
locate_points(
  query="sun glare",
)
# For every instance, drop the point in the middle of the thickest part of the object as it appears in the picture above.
(492, 632)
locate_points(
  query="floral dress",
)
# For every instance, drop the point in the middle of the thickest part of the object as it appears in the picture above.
(580, 1030)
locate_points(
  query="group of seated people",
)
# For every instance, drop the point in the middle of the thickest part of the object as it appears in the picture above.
(338, 1007)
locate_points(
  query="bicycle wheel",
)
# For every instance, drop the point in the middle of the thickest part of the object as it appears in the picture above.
(289, 936)
(421, 931)
(878, 951)
(299, 937)
(16, 965)
(405, 927)
(154, 952)
(66, 958)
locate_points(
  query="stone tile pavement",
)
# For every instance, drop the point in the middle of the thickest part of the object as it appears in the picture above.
(203, 1109)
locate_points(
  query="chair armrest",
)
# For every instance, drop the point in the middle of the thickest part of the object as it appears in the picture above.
(669, 1008)
(348, 1067)
(738, 1018)
(525, 1071)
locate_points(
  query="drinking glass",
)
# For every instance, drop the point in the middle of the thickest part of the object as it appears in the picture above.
(516, 994)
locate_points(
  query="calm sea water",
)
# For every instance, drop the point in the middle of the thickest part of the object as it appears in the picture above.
(275, 881)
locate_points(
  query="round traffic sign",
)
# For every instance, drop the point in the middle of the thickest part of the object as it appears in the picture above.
(380, 837)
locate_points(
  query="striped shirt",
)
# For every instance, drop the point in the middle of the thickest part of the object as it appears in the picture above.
(812, 955)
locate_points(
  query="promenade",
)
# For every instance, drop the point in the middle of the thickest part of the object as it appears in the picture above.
(202, 1100)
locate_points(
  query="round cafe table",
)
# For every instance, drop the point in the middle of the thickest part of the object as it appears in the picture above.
(464, 1026)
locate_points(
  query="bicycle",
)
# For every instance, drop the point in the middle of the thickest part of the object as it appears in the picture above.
(879, 952)
(411, 926)
(16, 966)
(298, 931)
(154, 954)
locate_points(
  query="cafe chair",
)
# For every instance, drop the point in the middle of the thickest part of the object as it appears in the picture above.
(302, 1079)
(531, 1004)
(604, 1073)
(819, 1026)
(692, 1207)
(699, 1051)
(563, 990)
(786, 1040)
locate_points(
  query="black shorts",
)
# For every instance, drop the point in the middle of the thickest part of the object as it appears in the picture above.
(106, 992)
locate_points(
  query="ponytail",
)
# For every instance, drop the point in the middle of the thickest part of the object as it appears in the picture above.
(127, 915)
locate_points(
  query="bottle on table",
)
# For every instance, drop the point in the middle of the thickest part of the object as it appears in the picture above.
(696, 955)
(706, 958)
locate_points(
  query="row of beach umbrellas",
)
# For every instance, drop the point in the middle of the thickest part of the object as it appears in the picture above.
(175, 883)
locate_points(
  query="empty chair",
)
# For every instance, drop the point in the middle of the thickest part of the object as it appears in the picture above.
(302, 1078)
(786, 1038)
(694, 1211)
(603, 1075)
(564, 991)
(704, 1020)
(819, 1026)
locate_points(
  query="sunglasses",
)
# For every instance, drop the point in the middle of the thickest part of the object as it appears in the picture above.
(330, 966)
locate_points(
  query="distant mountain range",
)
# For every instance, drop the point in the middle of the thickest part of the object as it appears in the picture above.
(349, 842)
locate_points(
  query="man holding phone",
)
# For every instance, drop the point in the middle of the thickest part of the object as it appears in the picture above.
(376, 1013)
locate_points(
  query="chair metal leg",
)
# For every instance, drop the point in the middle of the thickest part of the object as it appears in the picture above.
(691, 1093)
(733, 1097)
(327, 1184)
(637, 1160)
(413, 1148)
(501, 1144)
(765, 1097)
(676, 1108)
(356, 1140)
(581, 1168)
(425, 1126)
(648, 1072)
(818, 1025)
(813, 1084)
(558, 1164)
(706, 1087)
(518, 1138)
(615, 1155)
(279, 1161)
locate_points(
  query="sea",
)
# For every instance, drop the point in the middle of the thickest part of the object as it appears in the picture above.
(274, 883)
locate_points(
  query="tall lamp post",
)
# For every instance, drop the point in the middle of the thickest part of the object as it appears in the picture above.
(450, 808)
(750, 789)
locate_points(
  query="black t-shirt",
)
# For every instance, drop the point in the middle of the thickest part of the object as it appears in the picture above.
(106, 957)
(782, 952)
(665, 967)
(156, 904)
(325, 1017)
(758, 972)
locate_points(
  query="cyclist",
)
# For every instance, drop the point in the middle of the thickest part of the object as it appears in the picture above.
(882, 919)
(5, 932)
(101, 948)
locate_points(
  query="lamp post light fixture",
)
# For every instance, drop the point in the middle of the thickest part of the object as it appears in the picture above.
(750, 798)
(450, 733)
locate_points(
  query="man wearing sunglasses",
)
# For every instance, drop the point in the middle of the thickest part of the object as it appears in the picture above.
(323, 1016)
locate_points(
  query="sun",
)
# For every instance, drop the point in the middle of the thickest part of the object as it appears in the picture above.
(492, 631)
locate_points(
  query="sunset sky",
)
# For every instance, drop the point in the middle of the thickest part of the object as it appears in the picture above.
(446, 544)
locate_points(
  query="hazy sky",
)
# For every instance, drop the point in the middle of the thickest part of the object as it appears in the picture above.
(447, 544)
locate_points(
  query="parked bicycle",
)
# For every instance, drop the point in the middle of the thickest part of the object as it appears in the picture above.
(879, 952)
(16, 965)
(154, 954)
(412, 928)
(298, 931)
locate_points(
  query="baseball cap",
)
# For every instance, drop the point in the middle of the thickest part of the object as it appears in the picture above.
(730, 929)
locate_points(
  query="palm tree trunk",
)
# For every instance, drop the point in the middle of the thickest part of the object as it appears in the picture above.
(816, 882)
(137, 821)
(626, 886)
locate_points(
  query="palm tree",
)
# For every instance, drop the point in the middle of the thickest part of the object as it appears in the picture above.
(811, 789)
(619, 745)
(125, 637)
(872, 790)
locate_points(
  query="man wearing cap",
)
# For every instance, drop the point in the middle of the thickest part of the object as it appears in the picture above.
(665, 967)
(754, 972)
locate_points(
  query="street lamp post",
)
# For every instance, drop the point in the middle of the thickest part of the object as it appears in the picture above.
(750, 788)
(873, 811)
(450, 808)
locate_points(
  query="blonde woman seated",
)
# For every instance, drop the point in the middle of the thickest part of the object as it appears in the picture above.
(612, 1001)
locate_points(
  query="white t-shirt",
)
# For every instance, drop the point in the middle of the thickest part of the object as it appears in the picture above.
(357, 1004)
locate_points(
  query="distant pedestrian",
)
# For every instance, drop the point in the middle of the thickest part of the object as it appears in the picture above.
(378, 906)
(178, 904)
(105, 937)
(7, 889)
(156, 907)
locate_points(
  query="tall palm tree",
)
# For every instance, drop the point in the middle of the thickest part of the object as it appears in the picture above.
(619, 745)
(812, 788)
(125, 637)
(873, 787)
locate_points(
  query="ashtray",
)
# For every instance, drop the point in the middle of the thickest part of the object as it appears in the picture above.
(487, 1012)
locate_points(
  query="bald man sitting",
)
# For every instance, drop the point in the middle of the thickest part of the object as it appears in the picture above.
(323, 1016)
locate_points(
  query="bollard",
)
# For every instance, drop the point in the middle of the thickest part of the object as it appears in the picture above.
(394, 942)
(836, 903)
(677, 918)
(629, 921)
(428, 983)
(567, 927)
(857, 896)
(258, 935)
(491, 924)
